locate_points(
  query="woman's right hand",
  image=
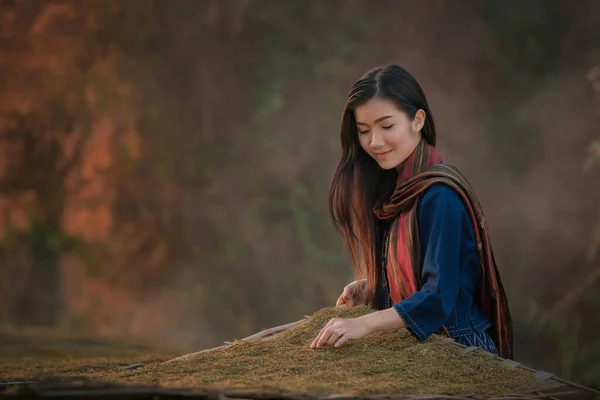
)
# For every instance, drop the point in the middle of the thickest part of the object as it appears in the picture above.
(351, 296)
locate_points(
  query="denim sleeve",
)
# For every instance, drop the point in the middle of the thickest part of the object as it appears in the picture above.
(440, 217)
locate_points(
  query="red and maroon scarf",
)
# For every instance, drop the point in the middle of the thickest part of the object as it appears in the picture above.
(421, 170)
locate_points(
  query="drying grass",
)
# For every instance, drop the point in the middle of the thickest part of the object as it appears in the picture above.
(33, 353)
(390, 362)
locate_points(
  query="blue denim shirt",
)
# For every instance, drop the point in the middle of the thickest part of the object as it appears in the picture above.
(451, 271)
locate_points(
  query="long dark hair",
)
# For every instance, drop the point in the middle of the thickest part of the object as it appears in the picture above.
(359, 182)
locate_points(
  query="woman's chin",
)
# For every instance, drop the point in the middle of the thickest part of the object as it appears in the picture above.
(387, 164)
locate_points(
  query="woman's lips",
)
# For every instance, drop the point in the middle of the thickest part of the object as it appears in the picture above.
(382, 154)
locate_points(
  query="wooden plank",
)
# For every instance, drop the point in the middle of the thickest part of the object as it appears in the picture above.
(117, 392)
(585, 388)
(512, 363)
(132, 366)
(551, 384)
(569, 395)
(542, 375)
(270, 331)
(188, 355)
(545, 387)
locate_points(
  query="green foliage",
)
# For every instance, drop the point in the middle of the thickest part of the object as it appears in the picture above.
(43, 240)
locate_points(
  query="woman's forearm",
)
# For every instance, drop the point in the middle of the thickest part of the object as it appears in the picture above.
(383, 320)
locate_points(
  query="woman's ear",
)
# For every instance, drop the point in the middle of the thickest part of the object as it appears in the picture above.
(419, 120)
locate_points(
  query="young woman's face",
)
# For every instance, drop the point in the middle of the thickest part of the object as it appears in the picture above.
(386, 133)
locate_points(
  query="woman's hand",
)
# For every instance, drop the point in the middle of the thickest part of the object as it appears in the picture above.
(352, 295)
(339, 330)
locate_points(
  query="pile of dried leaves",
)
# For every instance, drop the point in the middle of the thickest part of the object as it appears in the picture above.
(390, 362)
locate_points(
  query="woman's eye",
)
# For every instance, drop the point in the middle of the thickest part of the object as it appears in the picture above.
(388, 127)
(362, 132)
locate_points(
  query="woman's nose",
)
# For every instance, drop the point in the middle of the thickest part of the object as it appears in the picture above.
(376, 140)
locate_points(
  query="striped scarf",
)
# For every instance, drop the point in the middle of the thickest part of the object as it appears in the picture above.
(422, 169)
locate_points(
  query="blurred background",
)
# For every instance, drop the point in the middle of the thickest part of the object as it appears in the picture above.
(165, 165)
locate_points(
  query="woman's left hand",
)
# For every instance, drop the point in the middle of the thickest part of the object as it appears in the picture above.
(339, 330)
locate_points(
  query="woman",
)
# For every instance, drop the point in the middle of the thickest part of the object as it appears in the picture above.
(412, 224)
